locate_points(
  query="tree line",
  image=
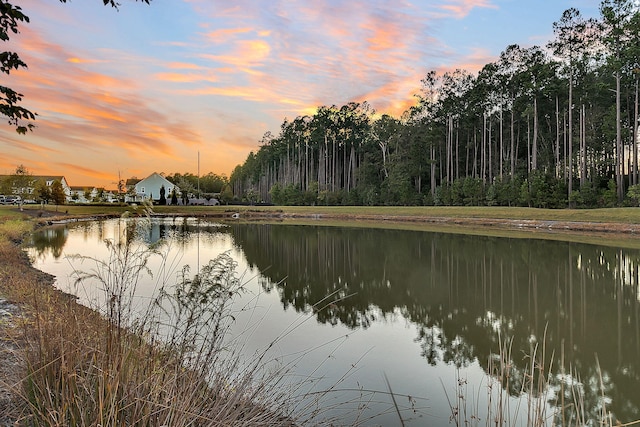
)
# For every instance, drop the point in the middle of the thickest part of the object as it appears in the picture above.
(544, 126)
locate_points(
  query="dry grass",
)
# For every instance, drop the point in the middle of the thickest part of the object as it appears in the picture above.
(14, 230)
(83, 368)
(540, 395)
(609, 215)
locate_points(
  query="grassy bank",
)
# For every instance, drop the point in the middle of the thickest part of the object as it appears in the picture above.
(78, 366)
(610, 215)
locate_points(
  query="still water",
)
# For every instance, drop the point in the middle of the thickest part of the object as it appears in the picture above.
(410, 315)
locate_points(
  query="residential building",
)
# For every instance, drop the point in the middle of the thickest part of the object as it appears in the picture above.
(149, 188)
(27, 186)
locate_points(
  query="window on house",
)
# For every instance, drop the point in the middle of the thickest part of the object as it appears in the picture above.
(142, 189)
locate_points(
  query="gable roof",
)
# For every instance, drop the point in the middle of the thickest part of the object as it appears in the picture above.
(44, 178)
(157, 176)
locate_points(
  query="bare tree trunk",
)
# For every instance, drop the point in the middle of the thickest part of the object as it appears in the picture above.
(475, 152)
(583, 147)
(466, 163)
(513, 151)
(306, 163)
(490, 151)
(501, 145)
(528, 145)
(570, 142)
(448, 151)
(534, 149)
(433, 170)
(619, 148)
(333, 164)
(457, 156)
(557, 139)
(565, 137)
(635, 138)
(483, 162)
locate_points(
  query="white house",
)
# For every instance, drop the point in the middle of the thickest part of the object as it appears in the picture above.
(27, 190)
(149, 188)
(79, 194)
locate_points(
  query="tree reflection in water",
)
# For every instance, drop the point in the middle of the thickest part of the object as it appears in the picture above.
(460, 290)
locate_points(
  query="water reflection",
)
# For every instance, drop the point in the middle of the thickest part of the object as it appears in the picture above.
(460, 289)
(49, 241)
(457, 291)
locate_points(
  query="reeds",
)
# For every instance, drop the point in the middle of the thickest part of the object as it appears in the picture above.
(113, 365)
(534, 397)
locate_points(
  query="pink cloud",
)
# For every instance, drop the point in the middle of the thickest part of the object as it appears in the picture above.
(461, 8)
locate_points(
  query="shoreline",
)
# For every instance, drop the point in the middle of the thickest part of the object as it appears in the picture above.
(252, 214)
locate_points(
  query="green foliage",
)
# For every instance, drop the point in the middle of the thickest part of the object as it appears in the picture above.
(310, 196)
(472, 191)
(10, 19)
(633, 195)
(443, 196)
(251, 196)
(57, 193)
(226, 195)
(276, 194)
(42, 192)
(610, 195)
(585, 197)
(209, 184)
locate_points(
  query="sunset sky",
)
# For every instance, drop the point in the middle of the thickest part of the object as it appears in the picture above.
(146, 88)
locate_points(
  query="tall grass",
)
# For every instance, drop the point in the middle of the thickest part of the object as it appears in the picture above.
(540, 395)
(14, 230)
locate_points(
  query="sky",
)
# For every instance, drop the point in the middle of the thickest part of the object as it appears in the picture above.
(193, 85)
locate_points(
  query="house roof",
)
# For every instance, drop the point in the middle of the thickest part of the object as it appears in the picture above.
(40, 177)
(49, 177)
(157, 176)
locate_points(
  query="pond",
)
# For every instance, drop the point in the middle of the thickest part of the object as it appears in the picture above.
(410, 321)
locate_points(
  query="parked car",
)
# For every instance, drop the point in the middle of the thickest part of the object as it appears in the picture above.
(11, 200)
(2, 199)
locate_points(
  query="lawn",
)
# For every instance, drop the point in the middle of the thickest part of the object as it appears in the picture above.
(609, 215)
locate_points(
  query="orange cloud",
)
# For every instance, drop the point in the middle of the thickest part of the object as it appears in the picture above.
(84, 171)
(75, 60)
